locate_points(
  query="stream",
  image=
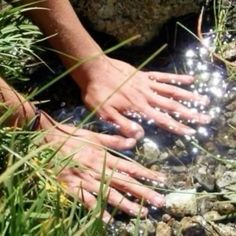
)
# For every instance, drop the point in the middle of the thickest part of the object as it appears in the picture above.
(201, 186)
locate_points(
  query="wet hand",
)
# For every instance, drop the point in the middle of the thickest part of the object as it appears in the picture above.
(153, 95)
(83, 182)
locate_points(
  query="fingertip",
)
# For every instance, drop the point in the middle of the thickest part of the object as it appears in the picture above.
(205, 100)
(137, 130)
(107, 218)
(139, 210)
(190, 78)
(159, 200)
(205, 119)
(161, 177)
(130, 142)
(189, 131)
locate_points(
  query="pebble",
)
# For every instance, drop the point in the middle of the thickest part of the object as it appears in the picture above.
(163, 229)
(224, 208)
(227, 183)
(212, 216)
(182, 203)
(205, 177)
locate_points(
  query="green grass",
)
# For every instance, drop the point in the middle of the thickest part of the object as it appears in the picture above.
(18, 43)
(224, 14)
(32, 201)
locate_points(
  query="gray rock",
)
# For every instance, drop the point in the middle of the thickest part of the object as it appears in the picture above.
(212, 216)
(198, 226)
(205, 203)
(224, 208)
(151, 150)
(145, 227)
(227, 183)
(166, 218)
(205, 177)
(125, 19)
(182, 203)
(192, 226)
(163, 229)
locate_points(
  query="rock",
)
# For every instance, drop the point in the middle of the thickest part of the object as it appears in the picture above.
(205, 203)
(150, 150)
(224, 208)
(125, 19)
(145, 226)
(212, 216)
(166, 218)
(117, 228)
(224, 230)
(182, 203)
(205, 176)
(163, 229)
(198, 226)
(191, 226)
(164, 156)
(227, 183)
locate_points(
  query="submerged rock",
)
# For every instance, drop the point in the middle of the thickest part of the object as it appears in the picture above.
(212, 216)
(191, 226)
(143, 227)
(163, 229)
(205, 177)
(206, 203)
(227, 183)
(182, 203)
(224, 208)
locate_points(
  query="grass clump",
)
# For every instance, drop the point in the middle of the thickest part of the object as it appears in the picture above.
(32, 201)
(18, 38)
(225, 34)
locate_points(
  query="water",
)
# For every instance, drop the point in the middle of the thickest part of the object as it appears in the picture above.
(177, 156)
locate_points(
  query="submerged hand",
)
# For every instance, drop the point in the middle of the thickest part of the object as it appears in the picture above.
(81, 182)
(151, 94)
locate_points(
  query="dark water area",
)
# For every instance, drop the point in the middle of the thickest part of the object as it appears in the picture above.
(187, 166)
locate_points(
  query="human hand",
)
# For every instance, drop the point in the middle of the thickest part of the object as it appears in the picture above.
(89, 155)
(154, 95)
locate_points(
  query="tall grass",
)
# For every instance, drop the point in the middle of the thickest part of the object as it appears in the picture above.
(32, 201)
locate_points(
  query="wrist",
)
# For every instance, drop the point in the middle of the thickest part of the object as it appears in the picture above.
(84, 74)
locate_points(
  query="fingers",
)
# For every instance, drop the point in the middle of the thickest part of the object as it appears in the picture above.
(80, 184)
(127, 127)
(134, 169)
(170, 78)
(77, 187)
(125, 183)
(178, 93)
(177, 108)
(116, 141)
(165, 121)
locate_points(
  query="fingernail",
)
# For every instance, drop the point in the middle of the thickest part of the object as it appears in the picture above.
(190, 78)
(189, 131)
(205, 100)
(107, 219)
(139, 134)
(130, 142)
(162, 178)
(137, 210)
(159, 200)
(206, 119)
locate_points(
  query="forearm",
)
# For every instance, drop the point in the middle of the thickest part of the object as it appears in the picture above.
(70, 36)
(22, 111)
